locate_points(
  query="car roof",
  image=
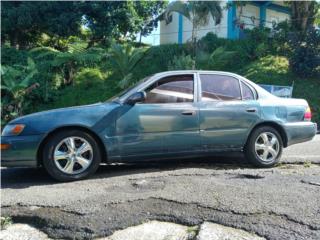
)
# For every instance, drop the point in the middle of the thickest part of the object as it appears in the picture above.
(198, 71)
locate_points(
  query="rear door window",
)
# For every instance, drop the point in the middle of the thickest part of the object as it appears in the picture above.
(219, 87)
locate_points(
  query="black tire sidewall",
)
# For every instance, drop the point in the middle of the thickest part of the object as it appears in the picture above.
(250, 147)
(48, 160)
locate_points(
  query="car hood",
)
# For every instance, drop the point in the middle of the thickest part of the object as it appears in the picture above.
(86, 116)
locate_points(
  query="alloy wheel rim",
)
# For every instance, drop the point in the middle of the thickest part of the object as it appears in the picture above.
(73, 155)
(267, 147)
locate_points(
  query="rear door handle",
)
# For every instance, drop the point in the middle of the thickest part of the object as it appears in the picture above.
(251, 110)
(189, 113)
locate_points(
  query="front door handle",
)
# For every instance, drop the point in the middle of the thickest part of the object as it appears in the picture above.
(251, 110)
(189, 113)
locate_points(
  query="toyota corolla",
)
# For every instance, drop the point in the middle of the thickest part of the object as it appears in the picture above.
(175, 114)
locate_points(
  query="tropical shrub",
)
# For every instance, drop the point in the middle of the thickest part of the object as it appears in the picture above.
(220, 58)
(17, 82)
(89, 76)
(157, 59)
(210, 42)
(182, 62)
(124, 59)
(305, 56)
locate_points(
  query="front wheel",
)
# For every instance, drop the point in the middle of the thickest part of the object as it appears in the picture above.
(264, 147)
(71, 155)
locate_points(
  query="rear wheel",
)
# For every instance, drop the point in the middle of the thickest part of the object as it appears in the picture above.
(264, 147)
(71, 155)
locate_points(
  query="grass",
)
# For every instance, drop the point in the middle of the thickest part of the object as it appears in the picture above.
(307, 164)
(5, 222)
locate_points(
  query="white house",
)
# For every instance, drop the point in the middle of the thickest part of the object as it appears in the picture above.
(234, 20)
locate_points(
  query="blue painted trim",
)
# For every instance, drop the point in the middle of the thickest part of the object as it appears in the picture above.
(180, 31)
(233, 30)
(279, 8)
(263, 14)
(260, 3)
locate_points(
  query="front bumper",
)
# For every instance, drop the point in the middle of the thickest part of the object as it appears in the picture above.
(22, 151)
(300, 132)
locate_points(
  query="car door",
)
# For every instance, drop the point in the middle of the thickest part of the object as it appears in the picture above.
(166, 122)
(228, 110)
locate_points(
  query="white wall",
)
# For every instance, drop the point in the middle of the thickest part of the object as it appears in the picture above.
(169, 32)
(221, 30)
(274, 16)
(250, 16)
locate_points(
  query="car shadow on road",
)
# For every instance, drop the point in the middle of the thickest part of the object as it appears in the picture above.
(19, 178)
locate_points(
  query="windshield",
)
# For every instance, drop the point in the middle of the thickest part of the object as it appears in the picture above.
(125, 91)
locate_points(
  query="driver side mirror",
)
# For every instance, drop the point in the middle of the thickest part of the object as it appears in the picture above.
(135, 98)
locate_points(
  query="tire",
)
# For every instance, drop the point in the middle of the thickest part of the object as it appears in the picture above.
(71, 155)
(258, 148)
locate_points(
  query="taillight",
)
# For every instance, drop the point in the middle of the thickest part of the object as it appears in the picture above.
(307, 114)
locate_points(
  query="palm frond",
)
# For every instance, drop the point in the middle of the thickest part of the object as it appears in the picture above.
(179, 7)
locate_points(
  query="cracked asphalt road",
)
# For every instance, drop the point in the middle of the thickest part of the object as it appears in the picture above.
(275, 203)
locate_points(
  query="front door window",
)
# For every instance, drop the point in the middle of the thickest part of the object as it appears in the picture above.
(173, 89)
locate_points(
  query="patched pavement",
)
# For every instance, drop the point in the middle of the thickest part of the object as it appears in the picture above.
(275, 203)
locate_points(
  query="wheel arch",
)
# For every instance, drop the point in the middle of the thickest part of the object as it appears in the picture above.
(276, 126)
(72, 127)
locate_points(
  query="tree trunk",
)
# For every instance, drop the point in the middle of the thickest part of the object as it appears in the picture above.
(302, 14)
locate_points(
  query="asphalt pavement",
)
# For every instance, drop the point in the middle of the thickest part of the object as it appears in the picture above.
(275, 203)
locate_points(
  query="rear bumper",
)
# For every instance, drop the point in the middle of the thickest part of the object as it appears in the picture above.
(300, 132)
(22, 151)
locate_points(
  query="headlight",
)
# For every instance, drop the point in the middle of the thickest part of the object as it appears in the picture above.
(12, 130)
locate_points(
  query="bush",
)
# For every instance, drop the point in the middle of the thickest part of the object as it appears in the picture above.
(305, 57)
(210, 42)
(158, 58)
(11, 56)
(220, 58)
(89, 77)
(182, 62)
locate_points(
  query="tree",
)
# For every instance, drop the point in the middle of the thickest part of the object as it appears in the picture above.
(120, 19)
(198, 12)
(303, 14)
(24, 22)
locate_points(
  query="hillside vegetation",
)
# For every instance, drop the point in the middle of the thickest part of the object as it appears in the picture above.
(44, 78)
